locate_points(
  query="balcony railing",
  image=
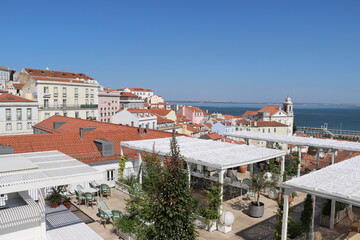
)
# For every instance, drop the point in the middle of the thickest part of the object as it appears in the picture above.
(46, 95)
(89, 106)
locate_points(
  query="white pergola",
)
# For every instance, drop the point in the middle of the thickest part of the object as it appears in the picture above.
(38, 170)
(338, 182)
(213, 154)
(302, 141)
(20, 172)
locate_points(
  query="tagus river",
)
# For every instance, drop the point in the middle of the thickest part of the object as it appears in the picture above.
(337, 117)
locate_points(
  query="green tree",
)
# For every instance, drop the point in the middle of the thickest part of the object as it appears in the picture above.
(306, 215)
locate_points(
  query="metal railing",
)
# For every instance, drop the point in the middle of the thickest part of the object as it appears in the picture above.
(67, 106)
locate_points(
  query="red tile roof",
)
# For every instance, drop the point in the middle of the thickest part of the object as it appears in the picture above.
(57, 80)
(3, 91)
(69, 142)
(56, 74)
(140, 90)
(194, 109)
(18, 85)
(4, 68)
(270, 109)
(6, 97)
(127, 94)
(242, 121)
(228, 117)
(161, 119)
(250, 113)
(214, 136)
(160, 111)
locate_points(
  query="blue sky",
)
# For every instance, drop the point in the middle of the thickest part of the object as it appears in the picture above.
(194, 50)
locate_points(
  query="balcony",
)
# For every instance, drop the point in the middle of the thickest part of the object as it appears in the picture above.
(47, 95)
(89, 106)
(91, 118)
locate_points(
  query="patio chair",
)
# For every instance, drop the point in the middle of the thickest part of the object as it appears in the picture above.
(233, 177)
(115, 215)
(94, 185)
(104, 217)
(90, 198)
(79, 188)
(354, 223)
(105, 190)
(105, 208)
(80, 197)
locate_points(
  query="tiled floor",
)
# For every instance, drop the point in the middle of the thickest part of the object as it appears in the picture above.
(243, 226)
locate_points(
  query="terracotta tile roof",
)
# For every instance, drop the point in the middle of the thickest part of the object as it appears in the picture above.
(194, 109)
(18, 85)
(228, 117)
(250, 113)
(242, 121)
(214, 136)
(56, 74)
(4, 68)
(270, 109)
(181, 118)
(161, 119)
(209, 125)
(192, 129)
(268, 124)
(69, 142)
(159, 111)
(3, 91)
(140, 90)
(127, 94)
(6, 97)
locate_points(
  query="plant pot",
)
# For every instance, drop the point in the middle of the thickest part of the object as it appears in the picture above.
(67, 204)
(291, 198)
(211, 227)
(273, 194)
(54, 205)
(255, 210)
(242, 169)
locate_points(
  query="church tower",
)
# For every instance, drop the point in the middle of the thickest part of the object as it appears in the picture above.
(288, 106)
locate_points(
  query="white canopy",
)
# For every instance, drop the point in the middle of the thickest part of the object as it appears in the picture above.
(299, 141)
(215, 154)
(339, 182)
(20, 172)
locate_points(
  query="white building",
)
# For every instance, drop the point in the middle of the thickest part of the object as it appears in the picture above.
(17, 115)
(283, 115)
(61, 93)
(4, 76)
(135, 118)
(141, 92)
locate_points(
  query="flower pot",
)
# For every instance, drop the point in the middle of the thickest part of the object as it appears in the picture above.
(242, 169)
(54, 205)
(291, 198)
(273, 194)
(255, 210)
(67, 204)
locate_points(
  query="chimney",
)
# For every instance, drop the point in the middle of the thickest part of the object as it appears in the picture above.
(140, 130)
(147, 128)
(56, 125)
(85, 129)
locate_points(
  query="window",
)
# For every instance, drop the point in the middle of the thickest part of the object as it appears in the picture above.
(29, 113)
(274, 130)
(269, 130)
(92, 113)
(92, 93)
(46, 102)
(8, 114)
(64, 102)
(132, 123)
(64, 91)
(65, 114)
(86, 92)
(56, 103)
(76, 102)
(29, 125)
(19, 126)
(87, 101)
(110, 175)
(56, 113)
(46, 89)
(8, 127)
(56, 93)
(47, 115)
(87, 114)
(18, 114)
(76, 114)
(76, 93)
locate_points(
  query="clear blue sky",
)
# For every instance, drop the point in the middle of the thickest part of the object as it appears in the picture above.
(194, 50)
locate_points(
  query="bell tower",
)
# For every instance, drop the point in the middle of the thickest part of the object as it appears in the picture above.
(288, 106)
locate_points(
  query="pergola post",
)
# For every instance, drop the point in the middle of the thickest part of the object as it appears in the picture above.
(285, 215)
(221, 181)
(41, 203)
(333, 202)
(139, 167)
(282, 169)
(121, 150)
(317, 158)
(312, 233)
(299, 164)
(188, 166)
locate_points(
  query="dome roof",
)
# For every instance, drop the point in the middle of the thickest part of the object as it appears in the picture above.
(288, 99)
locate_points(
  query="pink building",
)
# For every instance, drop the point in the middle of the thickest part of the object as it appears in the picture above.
(109, 104)
(195, 114)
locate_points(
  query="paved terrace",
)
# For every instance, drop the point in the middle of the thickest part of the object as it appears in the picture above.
(244, 227)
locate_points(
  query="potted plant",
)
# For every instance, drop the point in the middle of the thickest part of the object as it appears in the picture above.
(66, 202)
(54, 198)
(212, 212)
(258, 184)
(243, 168)
(126, 226)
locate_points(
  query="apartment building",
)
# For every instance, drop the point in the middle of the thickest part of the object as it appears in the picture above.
(135, 118)
(17, 115)
(140, 92)
(109, 104)
(61, 93)
(130, 100)
(4, 76)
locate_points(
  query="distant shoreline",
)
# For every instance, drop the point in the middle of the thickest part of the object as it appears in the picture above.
(265, 103)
